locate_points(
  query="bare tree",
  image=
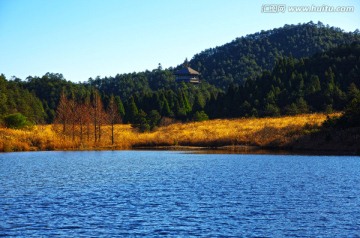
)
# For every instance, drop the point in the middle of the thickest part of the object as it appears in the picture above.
(97, 115)
(86, 110)
(79, 117)
(83, 119)
(73, 115)
(113, 116)
(62, 112)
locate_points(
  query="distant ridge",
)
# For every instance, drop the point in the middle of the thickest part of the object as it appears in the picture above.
(246, 57)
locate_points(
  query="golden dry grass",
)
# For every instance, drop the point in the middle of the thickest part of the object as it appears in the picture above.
(275, 132)
(248, 131)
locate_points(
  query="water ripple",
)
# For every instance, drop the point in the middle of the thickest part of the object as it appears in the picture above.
(155, 194)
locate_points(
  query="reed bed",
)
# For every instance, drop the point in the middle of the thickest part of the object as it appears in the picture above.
(264, 132)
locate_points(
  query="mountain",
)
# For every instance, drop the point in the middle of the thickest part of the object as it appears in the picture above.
(233, 63)
(326, 81)
(246, 57)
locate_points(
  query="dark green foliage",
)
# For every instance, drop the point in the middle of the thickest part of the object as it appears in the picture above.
(154, 118)
(291, 109)
(132, 111)
(141, 122)
(120, 106)
(147, 122)
(200, 116)
(165, 108)
(126, 85)
(351, 116)
(48, 89)
(16, 121)
(271, 110)
(324, 82)
(199, 102)
(300, 106)
(13, 99)
(246, 57)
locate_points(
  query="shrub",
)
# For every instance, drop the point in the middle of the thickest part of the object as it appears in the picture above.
(200, 116)
(16, 121)
(291, 109)
(154, 118)
(141, 122)
(271, 110)
(350, 118)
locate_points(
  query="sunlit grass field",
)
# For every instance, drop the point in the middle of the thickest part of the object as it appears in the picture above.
(264, 132)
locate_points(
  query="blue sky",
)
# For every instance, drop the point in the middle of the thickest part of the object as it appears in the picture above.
(89, 38)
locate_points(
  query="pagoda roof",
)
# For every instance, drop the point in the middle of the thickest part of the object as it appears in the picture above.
(186, 71)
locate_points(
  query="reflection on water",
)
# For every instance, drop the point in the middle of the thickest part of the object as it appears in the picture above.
(161, 193)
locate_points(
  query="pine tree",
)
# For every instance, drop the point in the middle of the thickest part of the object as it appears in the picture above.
(153, 119)
(199, 103)
(302, 106)
(132, 111)
(314, 85)
(120, 106)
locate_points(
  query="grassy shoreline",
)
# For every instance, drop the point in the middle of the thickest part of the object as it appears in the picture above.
(281, 133)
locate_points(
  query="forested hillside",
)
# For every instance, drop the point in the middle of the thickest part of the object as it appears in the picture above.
(15, 99)
(325, 82)
(294, 69)
(248, 56)
(48, 89)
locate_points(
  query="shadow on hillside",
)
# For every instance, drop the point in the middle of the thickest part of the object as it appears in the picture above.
(335, 141)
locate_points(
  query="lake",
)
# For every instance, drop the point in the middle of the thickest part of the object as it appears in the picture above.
(178, 194)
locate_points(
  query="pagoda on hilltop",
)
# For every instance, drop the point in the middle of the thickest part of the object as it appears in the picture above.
(187, 74)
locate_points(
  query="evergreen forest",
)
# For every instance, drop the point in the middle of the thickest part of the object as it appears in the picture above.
(290, 70)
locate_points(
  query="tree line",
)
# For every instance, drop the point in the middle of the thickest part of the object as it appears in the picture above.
(268, 73)
(75, 112)
(325, 82)
(15, 99)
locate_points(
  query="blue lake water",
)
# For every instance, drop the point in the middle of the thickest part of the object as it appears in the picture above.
(177, 194)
